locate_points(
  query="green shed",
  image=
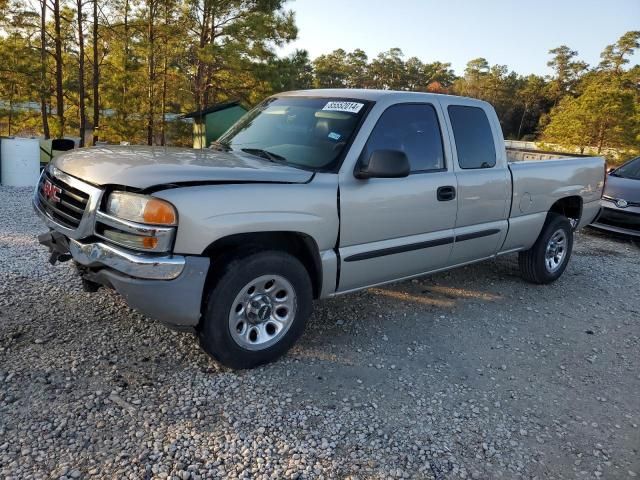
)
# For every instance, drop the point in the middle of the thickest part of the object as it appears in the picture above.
(210, 123)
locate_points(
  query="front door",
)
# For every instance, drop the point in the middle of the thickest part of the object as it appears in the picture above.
(392, 228)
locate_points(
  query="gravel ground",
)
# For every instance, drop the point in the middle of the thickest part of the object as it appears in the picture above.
(466, 374)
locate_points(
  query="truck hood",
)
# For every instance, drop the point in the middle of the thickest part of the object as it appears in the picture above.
(145, 167)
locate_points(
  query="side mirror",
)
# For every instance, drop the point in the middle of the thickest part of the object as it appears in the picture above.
(385, 164)
(611, 170)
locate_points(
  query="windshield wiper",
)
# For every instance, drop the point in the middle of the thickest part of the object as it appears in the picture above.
(259, 152)
(215, 145)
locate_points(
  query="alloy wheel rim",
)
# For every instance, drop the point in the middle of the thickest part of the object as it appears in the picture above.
(555, 251)
(262, 312)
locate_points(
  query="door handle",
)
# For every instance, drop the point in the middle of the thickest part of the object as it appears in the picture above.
(446, 193)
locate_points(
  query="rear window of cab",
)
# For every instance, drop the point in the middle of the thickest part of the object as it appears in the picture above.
(473, 137)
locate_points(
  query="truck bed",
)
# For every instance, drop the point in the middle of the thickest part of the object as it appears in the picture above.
(522, 154)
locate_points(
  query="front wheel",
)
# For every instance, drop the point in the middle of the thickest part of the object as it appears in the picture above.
(547, 259)
(257, 308)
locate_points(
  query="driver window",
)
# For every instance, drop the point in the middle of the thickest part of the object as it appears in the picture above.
(413, 129)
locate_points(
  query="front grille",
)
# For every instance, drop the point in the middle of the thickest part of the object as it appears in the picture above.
(70, 208)
(617, 218)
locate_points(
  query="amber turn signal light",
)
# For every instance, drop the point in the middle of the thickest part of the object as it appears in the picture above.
(159, 212)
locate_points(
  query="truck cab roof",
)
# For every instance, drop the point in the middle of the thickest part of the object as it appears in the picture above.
(377, 95)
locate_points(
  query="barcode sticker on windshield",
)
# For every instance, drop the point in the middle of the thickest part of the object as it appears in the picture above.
(349, 107)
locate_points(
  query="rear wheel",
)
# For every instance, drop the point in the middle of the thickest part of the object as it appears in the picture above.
(257, 308)
(547, 259)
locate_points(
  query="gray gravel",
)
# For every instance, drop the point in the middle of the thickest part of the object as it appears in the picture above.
(466, 374)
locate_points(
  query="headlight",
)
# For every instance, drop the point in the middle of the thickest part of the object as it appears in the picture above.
(141, 208)
(138, 221)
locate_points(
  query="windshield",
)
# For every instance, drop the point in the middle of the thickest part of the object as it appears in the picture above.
(305, 132)
(630, 169)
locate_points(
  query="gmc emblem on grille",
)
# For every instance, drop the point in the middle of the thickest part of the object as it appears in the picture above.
(51, 192)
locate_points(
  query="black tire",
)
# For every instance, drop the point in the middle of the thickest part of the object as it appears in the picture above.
(215, 332)
(533, 262)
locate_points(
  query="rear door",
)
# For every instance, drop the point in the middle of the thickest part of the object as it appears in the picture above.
(482, 176)
(392, 228)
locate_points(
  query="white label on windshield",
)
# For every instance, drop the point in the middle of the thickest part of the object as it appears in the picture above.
(349, 107)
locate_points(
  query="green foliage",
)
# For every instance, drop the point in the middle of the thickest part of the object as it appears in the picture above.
(531, 96)
(567, 72)
(18, 67)
(331, 70)
(615, 56)
(290, 73)
(235, 39)
(155, 57)
(519, 101)
(161, 57)
(389, 70)
(605, 114)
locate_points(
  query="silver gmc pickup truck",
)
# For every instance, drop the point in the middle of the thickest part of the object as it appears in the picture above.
(312, 194)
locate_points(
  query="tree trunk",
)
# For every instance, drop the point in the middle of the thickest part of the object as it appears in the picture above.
(163, 127)
(601, 136)
(122, 110)
(96, 77)
(209, 94)
(165, 66)
(200, 81)
(44, 87)
(81, 94)
(524, 113)
(151, 71)
(12, 89)
(59, 66)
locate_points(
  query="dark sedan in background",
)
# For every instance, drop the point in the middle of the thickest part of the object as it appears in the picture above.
(621, 200)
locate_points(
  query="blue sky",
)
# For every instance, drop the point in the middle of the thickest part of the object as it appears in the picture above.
(507, 32)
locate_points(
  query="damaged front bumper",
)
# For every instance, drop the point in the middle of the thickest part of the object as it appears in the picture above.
(166, 288)
(100, 254)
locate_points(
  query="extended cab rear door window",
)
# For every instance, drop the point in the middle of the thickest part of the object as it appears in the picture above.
(473, 137)
(413, 129)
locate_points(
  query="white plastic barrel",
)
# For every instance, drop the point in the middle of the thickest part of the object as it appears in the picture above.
(20, 161)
